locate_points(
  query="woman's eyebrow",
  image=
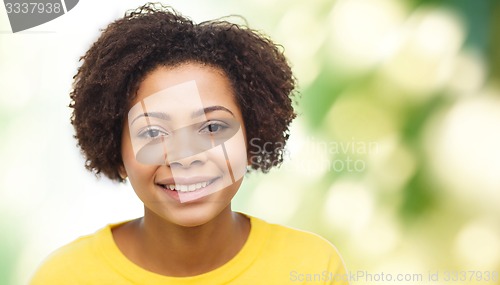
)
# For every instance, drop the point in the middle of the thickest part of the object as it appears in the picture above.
(159, 115)
(210, 109)
(166, 117)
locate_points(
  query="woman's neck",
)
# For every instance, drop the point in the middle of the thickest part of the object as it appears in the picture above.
(168, 249)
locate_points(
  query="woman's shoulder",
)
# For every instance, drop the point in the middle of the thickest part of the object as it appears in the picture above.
(301, 242)
(300, 254)
(78, 247)
(68, 260)
(83, 245)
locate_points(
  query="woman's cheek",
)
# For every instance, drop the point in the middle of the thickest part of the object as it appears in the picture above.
(237, 154)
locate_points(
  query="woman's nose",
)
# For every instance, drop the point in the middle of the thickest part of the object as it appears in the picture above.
(185, 148)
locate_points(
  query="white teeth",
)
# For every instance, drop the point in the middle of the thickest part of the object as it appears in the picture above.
(187, 188)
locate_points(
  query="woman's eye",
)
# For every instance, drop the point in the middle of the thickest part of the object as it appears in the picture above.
(152, 133)
(213, 128)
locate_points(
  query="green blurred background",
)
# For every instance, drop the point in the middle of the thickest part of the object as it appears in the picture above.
(395, 155)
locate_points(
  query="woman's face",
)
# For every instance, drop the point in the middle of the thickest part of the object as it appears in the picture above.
(183, 144)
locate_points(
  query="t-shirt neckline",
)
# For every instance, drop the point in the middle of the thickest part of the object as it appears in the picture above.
(106, 246)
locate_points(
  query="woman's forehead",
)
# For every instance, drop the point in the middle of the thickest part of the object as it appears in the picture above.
(177, 100)
(163, 77)
(184, 90)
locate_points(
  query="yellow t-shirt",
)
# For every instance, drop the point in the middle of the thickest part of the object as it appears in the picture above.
(272, 254)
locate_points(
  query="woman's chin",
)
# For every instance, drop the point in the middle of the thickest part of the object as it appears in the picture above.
(195, 217)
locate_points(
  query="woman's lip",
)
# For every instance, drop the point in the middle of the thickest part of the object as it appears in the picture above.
(197, 194)
(186, 180)
(188, 187)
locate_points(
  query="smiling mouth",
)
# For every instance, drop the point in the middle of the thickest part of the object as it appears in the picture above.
(188, 187)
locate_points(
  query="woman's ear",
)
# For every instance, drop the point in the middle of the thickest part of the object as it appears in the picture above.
(249, 165)
(122, 172)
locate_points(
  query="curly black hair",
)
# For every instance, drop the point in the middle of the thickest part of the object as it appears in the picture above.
(154, 35)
